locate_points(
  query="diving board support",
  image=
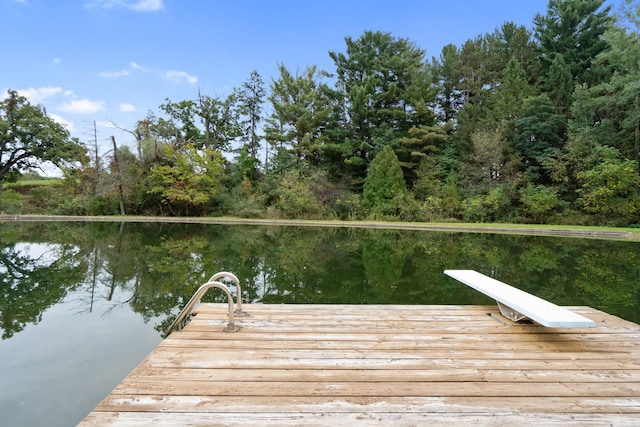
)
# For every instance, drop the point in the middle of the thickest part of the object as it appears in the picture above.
(518, 305)
(510, 313)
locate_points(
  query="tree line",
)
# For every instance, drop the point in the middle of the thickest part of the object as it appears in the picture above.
(518, 125)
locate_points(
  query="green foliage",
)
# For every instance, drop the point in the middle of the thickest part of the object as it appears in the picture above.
(30, 285)
(245, 202)
(431, 209)
(294, 197)
(428, 178)
(219, 120)
(488, 164)
(610, 189)
(326, 191)
(191, 180)
(451, 197)
(29, 137)
(447, 74)
(283, 160)
(384, 187)
(422, 142)
(300, 113)
(539, 201)
(611, 109)
(250, 97)
(31, 176)
(573, 29)
(182, 122)
(480, 69)
(384, 256)
(560, 85)
(246, 165)
(493, 206)
(207, 122)
(348, 207)
(540, 135)
(388, 135)
(376, 75)
(508, 102)
(10, 202)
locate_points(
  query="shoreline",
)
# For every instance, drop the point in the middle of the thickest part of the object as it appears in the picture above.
(520, 229)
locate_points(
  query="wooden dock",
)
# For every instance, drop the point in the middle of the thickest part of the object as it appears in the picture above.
(382, 365)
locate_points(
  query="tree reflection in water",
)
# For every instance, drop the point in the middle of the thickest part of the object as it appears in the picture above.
(160, 265)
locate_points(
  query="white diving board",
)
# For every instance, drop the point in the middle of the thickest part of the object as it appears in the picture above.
(517, 305)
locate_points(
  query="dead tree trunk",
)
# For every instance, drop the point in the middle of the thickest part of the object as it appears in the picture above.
(118, 174)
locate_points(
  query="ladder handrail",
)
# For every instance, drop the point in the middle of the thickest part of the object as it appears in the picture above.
(195, 299)
(235, 280)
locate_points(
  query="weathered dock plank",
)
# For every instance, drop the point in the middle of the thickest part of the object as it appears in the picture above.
(378, 365)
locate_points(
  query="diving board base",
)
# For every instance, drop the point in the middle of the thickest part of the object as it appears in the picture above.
(518, 305)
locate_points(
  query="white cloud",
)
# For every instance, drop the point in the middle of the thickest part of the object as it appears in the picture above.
(114, 74)
(108, 125)
(136, 66)
(127, 108)
(56, 61)
(175, 76)
(64, 122)
(147, 5)
(38, 95)
(136, 5)
(83, 106)
(181, 76)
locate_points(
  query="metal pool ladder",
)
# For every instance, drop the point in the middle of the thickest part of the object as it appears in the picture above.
(213, 282)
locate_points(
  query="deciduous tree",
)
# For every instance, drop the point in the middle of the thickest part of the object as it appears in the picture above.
(219, 119)
(29, 137)
(610, 189)
(191, 180)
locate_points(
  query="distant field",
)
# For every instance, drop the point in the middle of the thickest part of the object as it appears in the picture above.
(31, 183)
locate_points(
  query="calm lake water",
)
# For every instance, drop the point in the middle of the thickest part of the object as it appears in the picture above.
(83, 303)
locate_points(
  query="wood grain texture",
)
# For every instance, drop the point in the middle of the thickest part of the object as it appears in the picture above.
(378, 365)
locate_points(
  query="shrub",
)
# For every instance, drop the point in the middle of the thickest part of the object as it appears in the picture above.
(431, 209)
(490, 207)
(294, 197)
(539, 201)
(11, 202)
(348, 207)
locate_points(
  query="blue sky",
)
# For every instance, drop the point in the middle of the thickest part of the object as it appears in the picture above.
(115, 60)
